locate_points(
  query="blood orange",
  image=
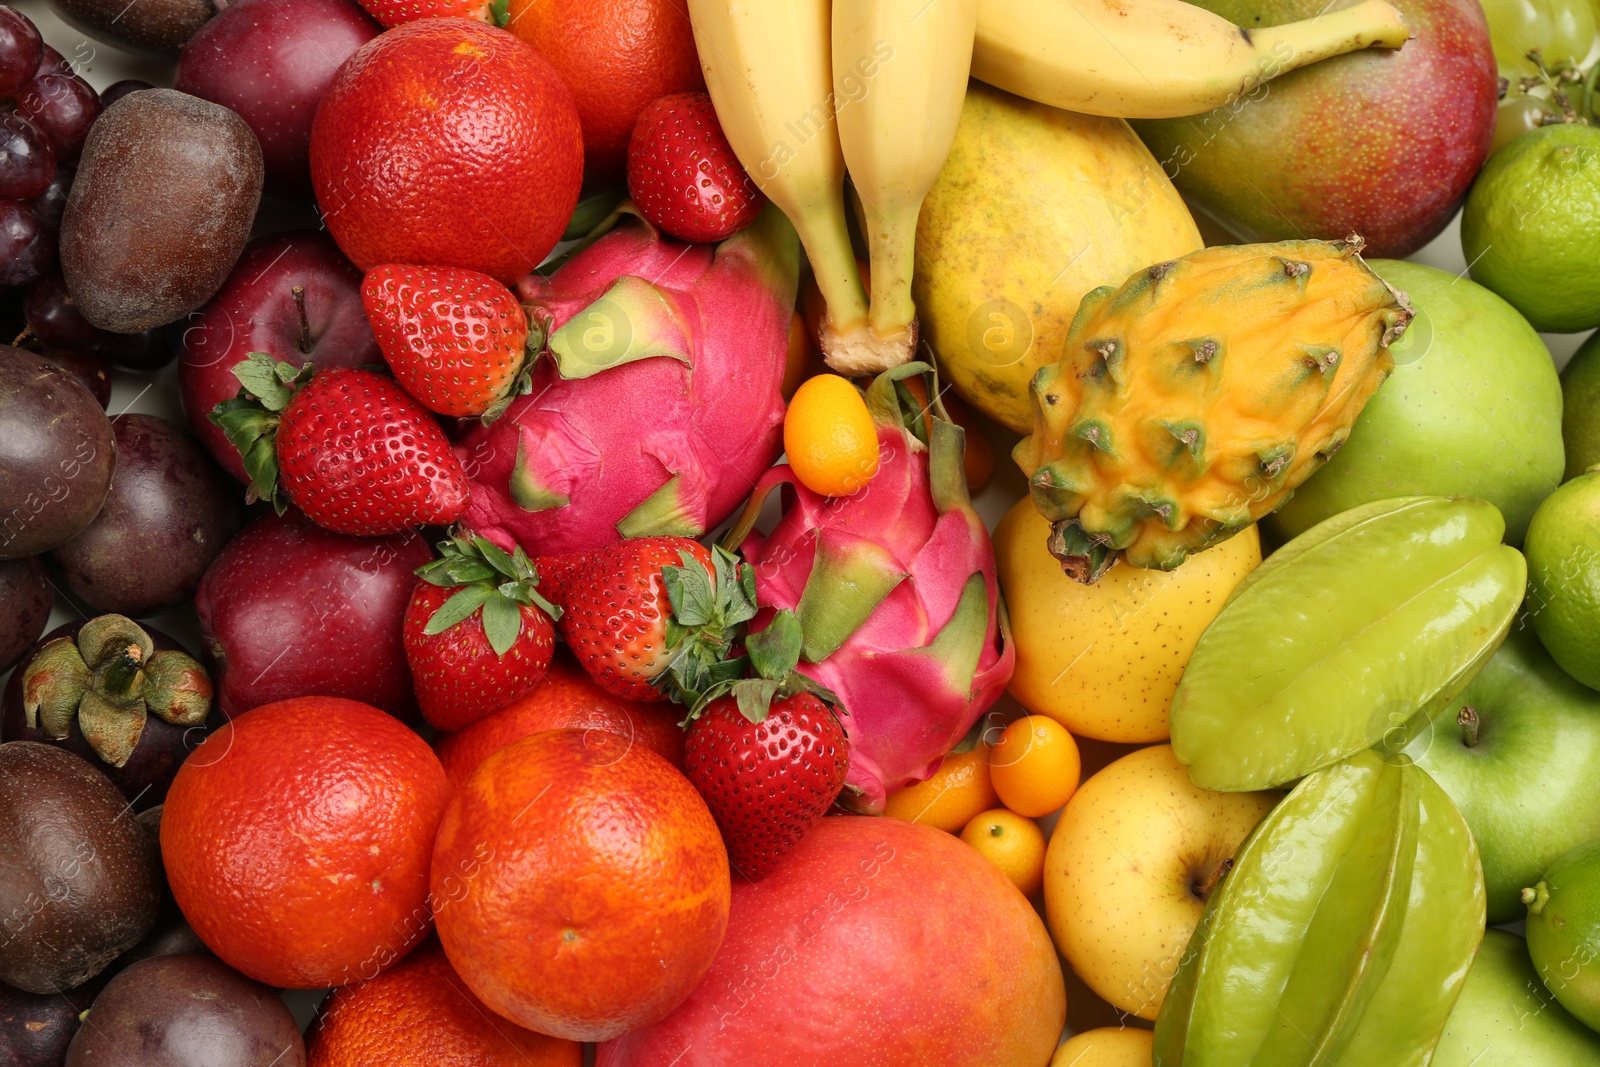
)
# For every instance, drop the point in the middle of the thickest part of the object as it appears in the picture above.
(580, 884)
(616, 56)
(446, 142)
(297, 838)
(420, 1014)
(567, 699)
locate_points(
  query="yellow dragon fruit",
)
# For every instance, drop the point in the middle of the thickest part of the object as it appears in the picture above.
(896, 591)
(1195, 397)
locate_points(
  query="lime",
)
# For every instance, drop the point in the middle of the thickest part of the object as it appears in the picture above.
(1563, 550)
(1531, 226)
(1564, 931)
(1580, 407)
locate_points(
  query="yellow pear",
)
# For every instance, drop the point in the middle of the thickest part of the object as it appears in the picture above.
(1104, 659)
(1034, 207)
(1135, 854)
(1120, 1046)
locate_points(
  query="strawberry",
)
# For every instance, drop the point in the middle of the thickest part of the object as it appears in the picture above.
(651, 618)
(348, 447)
(766, 782)
(391, 13)
(477, 633)
(682, 172)
(456, 340)
(769, 756)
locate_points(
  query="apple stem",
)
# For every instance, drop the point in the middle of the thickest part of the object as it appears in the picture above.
(1216, 876)
(1468, 721)
(299, 293)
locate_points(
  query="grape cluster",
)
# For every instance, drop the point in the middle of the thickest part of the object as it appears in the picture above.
(45, 114)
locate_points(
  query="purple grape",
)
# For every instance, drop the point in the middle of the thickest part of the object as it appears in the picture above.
(27, 249)
(54, 317)
(117, 90)
(52, 203)
(145, 351)
(21, 50)
(53, 63)
(27, 162)
(64, 106)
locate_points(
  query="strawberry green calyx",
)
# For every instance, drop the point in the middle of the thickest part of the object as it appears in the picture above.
(709, 610)
(106, 680)
(487, 578)
(773, 654)
(250, 420)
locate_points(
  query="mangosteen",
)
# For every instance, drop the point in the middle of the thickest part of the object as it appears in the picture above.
(123, 696)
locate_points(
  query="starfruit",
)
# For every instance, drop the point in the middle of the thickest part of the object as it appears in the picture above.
(1342, 935)
(1353, 634)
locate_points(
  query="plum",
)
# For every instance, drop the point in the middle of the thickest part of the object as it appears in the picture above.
(148, 758)
(165, 195)
(293, 296)
(169, 512)
(150, 28)
(25, 602)
(77, 884)
(56, 455)
(289, 608)
(271, 61)
(187, 1011)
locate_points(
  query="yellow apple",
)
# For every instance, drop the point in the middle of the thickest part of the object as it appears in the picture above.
(1120, 1046)
(1136, 851)
(1104, 659)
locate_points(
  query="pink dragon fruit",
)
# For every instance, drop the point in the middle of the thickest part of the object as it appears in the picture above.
(896, 592)
(657, 402)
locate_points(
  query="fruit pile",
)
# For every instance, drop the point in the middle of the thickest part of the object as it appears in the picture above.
(503, 557)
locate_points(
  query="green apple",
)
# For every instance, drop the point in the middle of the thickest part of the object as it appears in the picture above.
(1525, 776)
(1473, 408)
(1505, 1016)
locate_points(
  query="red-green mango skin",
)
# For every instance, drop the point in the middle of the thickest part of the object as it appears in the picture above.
(1379, 143)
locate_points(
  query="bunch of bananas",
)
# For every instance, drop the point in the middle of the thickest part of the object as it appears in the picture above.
(808, 89)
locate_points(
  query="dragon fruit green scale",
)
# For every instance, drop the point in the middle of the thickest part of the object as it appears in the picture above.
(897, 595)
(1195, 397)
(657, 402)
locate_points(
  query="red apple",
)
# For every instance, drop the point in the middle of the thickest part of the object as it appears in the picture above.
(290, 609)
(257, 311)
(271, 61)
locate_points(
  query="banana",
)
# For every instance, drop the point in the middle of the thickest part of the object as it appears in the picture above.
(1156, 59)
(770, 77)
(899, 80)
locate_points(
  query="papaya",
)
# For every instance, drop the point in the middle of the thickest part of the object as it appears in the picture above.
(1035, 206)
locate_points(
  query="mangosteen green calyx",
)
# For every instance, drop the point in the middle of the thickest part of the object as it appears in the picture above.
(110, 678)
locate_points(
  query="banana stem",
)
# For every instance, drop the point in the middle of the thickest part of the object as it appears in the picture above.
(1369, 24)
(891, 244)
(826, 238)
